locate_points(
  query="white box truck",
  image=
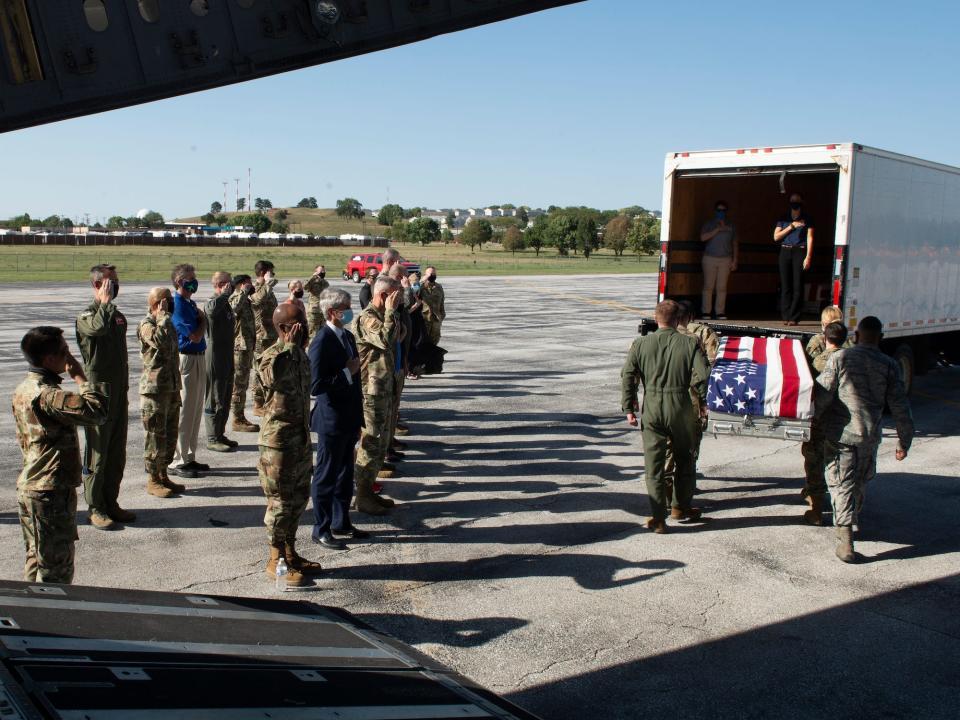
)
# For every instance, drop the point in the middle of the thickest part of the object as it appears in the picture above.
(886, 241)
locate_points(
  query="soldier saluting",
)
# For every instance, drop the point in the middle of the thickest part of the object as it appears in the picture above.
(46, 416)
(286, 466)
(669, 365)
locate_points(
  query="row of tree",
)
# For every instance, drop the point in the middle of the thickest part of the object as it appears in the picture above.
(151, 219)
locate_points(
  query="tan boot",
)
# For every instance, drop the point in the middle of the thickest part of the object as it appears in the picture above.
(845, 544)
(118, 514)
(258, 410)
(386, 473)
(241, 424)
(294, 577)
(384, 501)
(174, 486)
(686, 514)
(814, 516)
(156, 487)
(366, 500)
(658, 526)
(297, 562)
(101, 521)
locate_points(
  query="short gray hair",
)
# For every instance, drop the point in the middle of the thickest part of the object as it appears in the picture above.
(333, 299)
(180, 272)
(385, 284)
(390, 255)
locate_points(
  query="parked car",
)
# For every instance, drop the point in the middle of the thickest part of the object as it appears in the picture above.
(358, 265)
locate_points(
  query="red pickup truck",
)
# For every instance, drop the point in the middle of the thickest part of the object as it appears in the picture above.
(358, 265)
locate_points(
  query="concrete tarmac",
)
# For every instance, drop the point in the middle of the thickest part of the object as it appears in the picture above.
(517, 554)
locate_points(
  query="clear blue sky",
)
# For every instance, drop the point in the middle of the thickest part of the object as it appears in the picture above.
(571, 106)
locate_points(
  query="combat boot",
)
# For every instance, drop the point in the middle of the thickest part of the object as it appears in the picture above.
(814, 516)
(366, 500)
(101, 521)
(218, 446)
(156, 487)
(845, 544)
(241, 424)
(658, 526)
(384, 501)
(401, 429)
(167, 482)
(387, 473)
(686, 513)
(258, 410)
(118, 514)
(294, 577)
(300, 563)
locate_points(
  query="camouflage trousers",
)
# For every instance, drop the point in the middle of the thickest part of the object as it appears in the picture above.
(433, 330)
(849, 469)
(242, 363)
(315, 320)
(160, 414)
(262, 345)
(375, 438)
(48, 521)
(285, 478)
(815, 484)
(399, 380)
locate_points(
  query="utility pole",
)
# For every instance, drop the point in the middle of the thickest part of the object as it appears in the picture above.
(249, 196)
(237, 181)
(225, 195)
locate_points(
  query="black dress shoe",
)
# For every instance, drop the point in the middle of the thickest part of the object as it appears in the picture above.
(352, 532)
(183, 471)
(329, 541)
(194, 465)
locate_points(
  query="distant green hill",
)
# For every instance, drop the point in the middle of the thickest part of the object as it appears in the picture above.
(323, 221)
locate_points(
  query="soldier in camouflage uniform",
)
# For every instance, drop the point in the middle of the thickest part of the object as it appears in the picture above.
(46, 417)
(244, 343)
(668, 364)
(815, 484)
(314, 288)
(434, 313)
(159, 392)
(377, 330)
(263, 302)
(102, 337)
(285, 465)
(852, 390)
(817, 344)
(399, 273)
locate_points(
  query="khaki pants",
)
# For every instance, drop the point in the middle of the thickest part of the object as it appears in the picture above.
(193, 373)
(716, 270)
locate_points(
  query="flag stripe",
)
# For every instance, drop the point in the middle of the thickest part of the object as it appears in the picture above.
(760, 350)
(731, 348)
(771, 395)
(791, 381)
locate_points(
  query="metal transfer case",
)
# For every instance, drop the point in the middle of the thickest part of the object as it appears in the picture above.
(761, 427)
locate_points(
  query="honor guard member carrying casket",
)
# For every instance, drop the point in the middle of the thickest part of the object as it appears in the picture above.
(667, 364)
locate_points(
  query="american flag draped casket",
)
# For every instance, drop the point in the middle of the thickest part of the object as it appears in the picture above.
(761, 387)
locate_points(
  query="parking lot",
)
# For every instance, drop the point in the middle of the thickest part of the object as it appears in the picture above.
(517, 553)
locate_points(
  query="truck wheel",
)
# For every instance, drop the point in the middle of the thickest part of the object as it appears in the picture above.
(356, 276)
(904, 357)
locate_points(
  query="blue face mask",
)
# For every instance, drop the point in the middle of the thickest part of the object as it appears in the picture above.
(721, 214)
(346, 316)
(415, 287)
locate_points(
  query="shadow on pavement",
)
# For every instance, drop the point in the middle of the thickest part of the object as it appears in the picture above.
(454, 633)
(896, 655)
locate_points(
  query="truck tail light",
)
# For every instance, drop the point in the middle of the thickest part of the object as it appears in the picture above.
(838, 274)
(662, 281)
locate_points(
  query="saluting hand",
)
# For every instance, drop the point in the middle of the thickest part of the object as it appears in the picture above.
(75, 369)
(104, 293)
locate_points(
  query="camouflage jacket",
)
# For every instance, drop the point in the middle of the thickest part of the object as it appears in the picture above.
(284, 370)
(102, 337)
(820, 361)
(158, 350)
(431, 294)
(818, 343)
(314, 287)
(244, 328)
(377, 332)
(46, 418)
(264, 302)
(851, 392)
(707, 337)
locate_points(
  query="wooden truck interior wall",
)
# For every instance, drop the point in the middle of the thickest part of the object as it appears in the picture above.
(755, 206)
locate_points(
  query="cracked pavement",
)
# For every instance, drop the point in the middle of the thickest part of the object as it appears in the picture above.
(517, 555)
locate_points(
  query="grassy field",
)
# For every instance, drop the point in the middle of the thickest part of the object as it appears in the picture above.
(323, 221)
(38, 263)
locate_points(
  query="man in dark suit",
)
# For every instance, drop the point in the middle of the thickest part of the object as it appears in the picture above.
(337, 417)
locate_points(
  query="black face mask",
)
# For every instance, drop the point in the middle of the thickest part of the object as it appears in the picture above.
(431, 278)
(249, 290)
(298, 293)
(322, 275)
(796, 205)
